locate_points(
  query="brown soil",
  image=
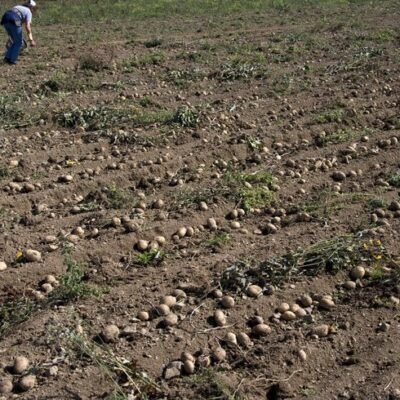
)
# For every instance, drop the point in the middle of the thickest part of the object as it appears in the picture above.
(338, 75)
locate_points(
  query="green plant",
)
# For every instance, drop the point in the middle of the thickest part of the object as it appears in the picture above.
(394, 179)
(237, 70)
(4, 171)
(330, 255)
(122, 373)
(329, 116)
(186, 116)
(73, 286)
(151, 257)
(219, 240)
(209, 384)
(252, 190)
(90, 62)
(153, 43)
(14, 312)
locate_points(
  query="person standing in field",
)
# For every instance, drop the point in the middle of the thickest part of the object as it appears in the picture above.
(13, 20)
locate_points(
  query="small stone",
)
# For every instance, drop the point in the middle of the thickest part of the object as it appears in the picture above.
(110, 333)
(173, 370)
(321, 330)
(3, 266)
(338, 176)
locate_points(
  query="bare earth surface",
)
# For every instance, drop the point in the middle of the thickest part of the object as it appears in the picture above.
(282, 128)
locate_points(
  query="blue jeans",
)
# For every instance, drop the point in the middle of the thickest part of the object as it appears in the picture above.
(15, 33)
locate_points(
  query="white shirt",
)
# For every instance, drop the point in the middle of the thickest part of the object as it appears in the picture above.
(25, 12)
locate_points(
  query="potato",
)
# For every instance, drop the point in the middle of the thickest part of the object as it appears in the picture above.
(357, 273)
(261, 330)
(20, 365)
(168, 300)
(143, 315)
(219, 318)
(189, 367)
(27, 382)
(283, 307)
(254, 291)
(227, 302)
(6, 386)
(32, 255)
(219, 354)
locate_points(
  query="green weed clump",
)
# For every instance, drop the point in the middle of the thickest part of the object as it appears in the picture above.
(73, 285)
(237, 70)
(252, 190)
(186, 117)
(147, 258)
(394, 179)
(331, 256)
(100, 118)
(14, 312)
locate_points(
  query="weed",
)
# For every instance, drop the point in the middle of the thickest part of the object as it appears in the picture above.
(325, 202)
(252, 142)
(340, 136)
(394, 179)
(375, 203)
(153, 58)
(100, 118)
(253, 190)
(14, 312)
(122, 373)
(89, 62)
(147, 102)
(211, 385)
(73, 286)
(219, 240)
(151, 257)
(187, 117)
(4, 171)
(182, 78)
(237, 70)
(330, 255)
(330, 116)
(13, 115)
(117, 197)
(153, 43)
